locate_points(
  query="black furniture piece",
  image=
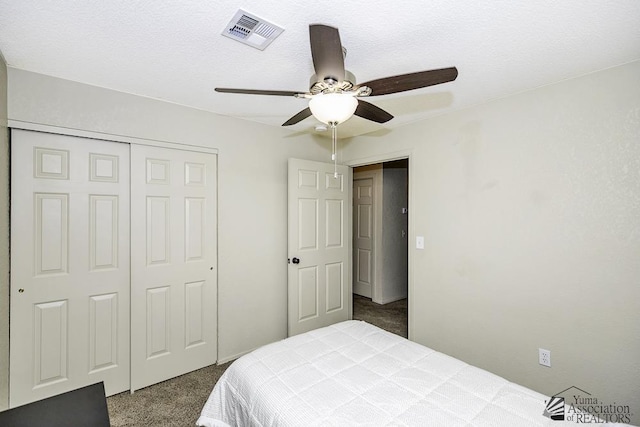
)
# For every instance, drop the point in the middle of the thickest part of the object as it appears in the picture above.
(86, 406)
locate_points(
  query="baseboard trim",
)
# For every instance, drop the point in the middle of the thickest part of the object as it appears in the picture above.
(362, 290)
(223, 360)
(392, 299)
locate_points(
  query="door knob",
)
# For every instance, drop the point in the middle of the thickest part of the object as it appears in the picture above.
(295, 260)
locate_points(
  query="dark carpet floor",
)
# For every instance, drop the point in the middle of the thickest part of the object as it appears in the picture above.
(391, 317)
(172, 403)
(178, 402)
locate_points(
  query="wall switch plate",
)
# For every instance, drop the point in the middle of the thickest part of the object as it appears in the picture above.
(419, 242)
(544, 357)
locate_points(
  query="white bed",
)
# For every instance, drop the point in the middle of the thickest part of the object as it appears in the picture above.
(355, 374)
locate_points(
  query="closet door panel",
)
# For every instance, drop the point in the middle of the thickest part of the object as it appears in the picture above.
(69, 265)
(173, 270)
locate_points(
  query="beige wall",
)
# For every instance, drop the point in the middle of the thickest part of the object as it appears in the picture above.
(530, 208)
(4, 240)
(252, 190)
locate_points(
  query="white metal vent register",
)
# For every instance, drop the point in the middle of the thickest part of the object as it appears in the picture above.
(252, 30)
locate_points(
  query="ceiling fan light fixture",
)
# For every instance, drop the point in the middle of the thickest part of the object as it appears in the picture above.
(333, 107)
(332, 90)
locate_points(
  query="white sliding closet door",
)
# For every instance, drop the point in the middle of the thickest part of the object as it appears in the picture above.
(69, 265)
(173, 263)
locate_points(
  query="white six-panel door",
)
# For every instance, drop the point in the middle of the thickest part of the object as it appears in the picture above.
(69, 265)
(173, 263)
(319, 278)
(363, 242)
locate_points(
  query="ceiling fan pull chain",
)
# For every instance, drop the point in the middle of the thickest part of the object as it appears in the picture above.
(334, 155)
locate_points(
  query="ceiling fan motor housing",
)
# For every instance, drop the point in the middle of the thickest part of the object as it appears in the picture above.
(317, 86)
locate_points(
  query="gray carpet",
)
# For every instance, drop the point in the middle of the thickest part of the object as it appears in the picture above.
(172, 403)
(391, 317)
(178, 402)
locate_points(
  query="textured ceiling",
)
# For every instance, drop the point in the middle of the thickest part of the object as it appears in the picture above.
(173, 50)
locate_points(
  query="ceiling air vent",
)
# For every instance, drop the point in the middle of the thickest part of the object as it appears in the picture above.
(249, 29)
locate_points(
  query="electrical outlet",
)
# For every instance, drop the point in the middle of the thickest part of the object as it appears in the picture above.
(544, 357)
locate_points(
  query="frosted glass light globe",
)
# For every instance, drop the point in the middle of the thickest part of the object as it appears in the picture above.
(333, 107)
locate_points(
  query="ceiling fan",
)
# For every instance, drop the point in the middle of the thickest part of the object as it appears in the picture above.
(333, 93)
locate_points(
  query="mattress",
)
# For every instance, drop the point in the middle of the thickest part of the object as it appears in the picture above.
(355, 374)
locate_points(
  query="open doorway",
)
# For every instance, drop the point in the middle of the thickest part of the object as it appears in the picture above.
(380, 244)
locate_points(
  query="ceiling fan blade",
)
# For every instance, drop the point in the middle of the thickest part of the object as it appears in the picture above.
(371, 112)
(298, 117)
(411, 81)
(326, 51)
(258, 92)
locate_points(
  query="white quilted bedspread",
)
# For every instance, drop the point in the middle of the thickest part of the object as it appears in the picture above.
(355, 374)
